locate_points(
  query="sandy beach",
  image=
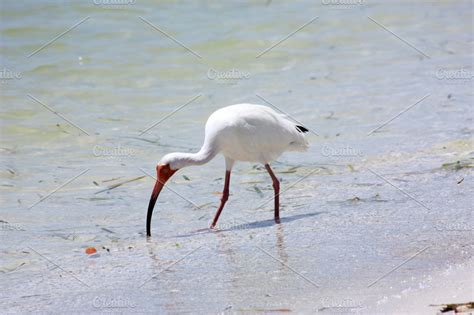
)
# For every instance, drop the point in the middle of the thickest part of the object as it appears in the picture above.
(376, 215)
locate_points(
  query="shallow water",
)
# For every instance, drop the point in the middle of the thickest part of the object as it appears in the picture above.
(357, 205)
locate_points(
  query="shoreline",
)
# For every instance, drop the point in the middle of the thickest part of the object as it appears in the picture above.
(453, 285)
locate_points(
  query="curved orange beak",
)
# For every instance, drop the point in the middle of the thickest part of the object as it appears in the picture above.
(164, 172)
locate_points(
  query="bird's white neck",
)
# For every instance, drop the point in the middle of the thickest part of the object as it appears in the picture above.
(178, 160)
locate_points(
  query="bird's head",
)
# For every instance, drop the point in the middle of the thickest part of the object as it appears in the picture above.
(163, 174)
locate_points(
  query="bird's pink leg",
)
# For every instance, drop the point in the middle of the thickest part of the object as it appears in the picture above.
(276, 187)
(225, 196)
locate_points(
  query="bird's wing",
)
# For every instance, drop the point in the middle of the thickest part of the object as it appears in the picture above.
(277, 131)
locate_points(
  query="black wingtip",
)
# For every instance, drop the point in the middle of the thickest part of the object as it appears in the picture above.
(301, 129)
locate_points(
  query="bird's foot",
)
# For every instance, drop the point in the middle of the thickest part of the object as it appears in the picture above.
(213, 228)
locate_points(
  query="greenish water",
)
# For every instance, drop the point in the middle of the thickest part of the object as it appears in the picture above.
(359, 203)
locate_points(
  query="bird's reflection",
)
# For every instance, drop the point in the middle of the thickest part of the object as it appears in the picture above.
(164, 283)
(224, 246)
(151, 247)
(280, 243)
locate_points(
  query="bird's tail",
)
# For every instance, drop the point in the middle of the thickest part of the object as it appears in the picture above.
(297, 132)
(300, 143)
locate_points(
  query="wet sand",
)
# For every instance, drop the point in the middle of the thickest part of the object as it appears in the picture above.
(376, 216)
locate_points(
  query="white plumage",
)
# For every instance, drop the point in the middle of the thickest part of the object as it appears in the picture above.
(242, 132)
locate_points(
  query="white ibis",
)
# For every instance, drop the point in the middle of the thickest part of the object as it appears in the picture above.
(242, 132)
